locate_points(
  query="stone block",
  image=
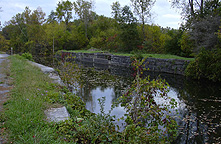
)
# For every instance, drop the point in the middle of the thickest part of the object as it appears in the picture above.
(57, 114)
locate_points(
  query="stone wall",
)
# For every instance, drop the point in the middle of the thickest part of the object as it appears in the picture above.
(173, 66)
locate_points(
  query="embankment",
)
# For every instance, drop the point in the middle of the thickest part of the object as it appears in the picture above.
(172, 66)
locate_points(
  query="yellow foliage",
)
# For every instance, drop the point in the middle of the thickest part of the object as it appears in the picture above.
(4, 44)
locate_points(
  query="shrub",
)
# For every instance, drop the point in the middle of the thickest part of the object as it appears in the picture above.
(28, 56)
(144, 116)
(207, 64)
(137, 55)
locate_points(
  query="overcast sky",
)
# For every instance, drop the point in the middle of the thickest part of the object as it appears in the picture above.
(164, 15)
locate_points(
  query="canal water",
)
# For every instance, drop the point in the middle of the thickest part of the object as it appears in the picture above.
(199, 102)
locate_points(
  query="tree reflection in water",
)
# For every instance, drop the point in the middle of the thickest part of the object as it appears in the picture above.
(198, 109)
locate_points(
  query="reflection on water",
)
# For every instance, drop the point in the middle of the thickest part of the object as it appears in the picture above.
(198, 103)
(97, 84)
(201, 121)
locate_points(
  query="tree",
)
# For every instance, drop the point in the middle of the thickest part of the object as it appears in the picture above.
(142, 9)
(56, 34)
(172, 45)
(202, 21)
(104, 33)
(35, 31)
(64, 11)
(51, 17)
(116, 10)
(37, 16)
(17, 31)
(186, 44)
(219, 37)
(129, 34)
(155, 40)
(192, 9)
(4, 44)
(84, 10)
(203, 32)
(127, 16)
(25, 31)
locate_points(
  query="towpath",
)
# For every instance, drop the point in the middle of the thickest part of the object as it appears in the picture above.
(4, 89)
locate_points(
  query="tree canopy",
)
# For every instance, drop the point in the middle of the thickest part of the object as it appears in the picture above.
(127, 30)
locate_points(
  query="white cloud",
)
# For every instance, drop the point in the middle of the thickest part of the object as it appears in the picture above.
(103, 7)
(174, 16)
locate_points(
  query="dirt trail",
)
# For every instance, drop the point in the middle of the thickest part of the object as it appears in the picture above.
(4, 91)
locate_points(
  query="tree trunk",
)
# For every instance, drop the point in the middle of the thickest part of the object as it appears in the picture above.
(191, 8)
(143, 21)
(201, 7)
(85, 24)
(144, 30)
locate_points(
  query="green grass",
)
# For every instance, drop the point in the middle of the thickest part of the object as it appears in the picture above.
(24, 114)
(160, 56)
(86, 51)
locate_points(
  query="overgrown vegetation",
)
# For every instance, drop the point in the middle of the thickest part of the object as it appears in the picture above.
(33, 93)
(144, 115)
(140, 128)
(207, 64)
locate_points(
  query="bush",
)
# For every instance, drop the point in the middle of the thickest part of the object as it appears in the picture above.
(28, 56)
(137, 54)
(206, 65)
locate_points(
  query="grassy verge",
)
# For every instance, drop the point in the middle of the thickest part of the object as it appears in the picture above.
(24, 119)
(86, 51)
(160, 56)
(24, 115)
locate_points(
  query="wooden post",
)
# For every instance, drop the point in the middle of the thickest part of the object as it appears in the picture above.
(53, 51)
(53, 46)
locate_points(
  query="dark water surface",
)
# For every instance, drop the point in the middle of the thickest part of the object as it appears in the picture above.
(199, 102)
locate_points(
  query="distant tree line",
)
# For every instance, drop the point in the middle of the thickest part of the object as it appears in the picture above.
(127, 30)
